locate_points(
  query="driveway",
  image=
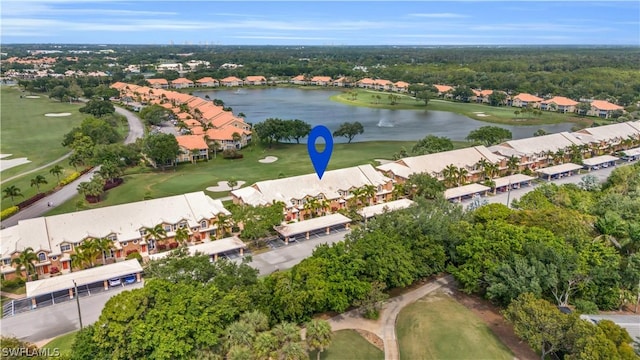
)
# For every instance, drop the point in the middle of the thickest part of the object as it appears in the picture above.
(136, 130)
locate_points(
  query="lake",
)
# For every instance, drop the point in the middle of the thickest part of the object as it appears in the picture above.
(314, 107)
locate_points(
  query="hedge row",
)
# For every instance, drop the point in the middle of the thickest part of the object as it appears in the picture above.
(69, 179)
(31, 200)
(8, 212)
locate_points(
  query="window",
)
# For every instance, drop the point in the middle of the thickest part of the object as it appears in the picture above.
(167, 228)
(135, 241)
(203, 224)
(112, 237)
(42, 257)
(6, 261)
(54, 258)
(124, 244)
(143, 232)
(182, 225)
(174, 227)
(65, 247)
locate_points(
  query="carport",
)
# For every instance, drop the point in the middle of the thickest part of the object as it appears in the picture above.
(598, 162)
(68, 282)
(559, 171)
(212, 248)
(514, 181)
(373, 210)
(460, 192)
(631, 154)
(307, 226)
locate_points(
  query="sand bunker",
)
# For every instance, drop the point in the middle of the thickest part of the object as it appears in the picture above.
(9, 163)
(57, 114)
(32, 97)
(268, 160)
(482, 115)
(222, 186)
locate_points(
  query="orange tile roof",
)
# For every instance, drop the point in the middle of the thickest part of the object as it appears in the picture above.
(298, 78)
(192, 142)
(197, 130)
(190, 122)
(605, 105)
(224, 133)
(158, 81)
(527, 97)
(443, 88)
(401, 84)
(255, 78)
(182, 81)
(230, 79)
(321, 78)
(119, 85)
(383, 82)
(561, 100)
(206, 80)
(367, 81)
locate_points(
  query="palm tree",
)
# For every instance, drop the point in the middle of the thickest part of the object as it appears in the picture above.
(232, 183)
(286, 332)
(324, 205)
(11, 192)
(25, 261)
(75, 160)
(239, 333)
(257, 319)
(155, 233)
(265, 345)
(461, 176)
(357, 196)
(450, 174)
(559, 156)
(513, 163)
(575, 153)
(236, 137)
(239, 352)
(293, 350)
(91, 250)
(214, 146)
(103, 245)
(182, 236)
(369, 192)
(224, 222)
(319, 336)
(311, 205)
(37, 181)
(56, 171)
(84, 188)
(492, 170)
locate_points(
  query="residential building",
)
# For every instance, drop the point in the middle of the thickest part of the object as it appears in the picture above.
(231, 81)
(307, 194)
(192, 147)
(169, 67)
(444, 90)
(537, 152)
(207, 82)
(182, 83)
(158, 83)
(481, 96)
(524, 100)
(559, 104)
(435, 164)
(321, 80)
(299, 80)
(612, 137)
(366, 83)
(603, 109)
(401, 86)
(254, 80)
(54, 239)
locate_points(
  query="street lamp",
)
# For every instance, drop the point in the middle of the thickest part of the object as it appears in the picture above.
(78, 302)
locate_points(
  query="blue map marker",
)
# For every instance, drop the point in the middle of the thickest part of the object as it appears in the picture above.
(320, 160)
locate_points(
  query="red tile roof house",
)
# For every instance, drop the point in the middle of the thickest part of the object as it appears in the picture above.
(321, 80)
(481, 96)
(444, 90)
(255, 80)
(560, 104)
(366, 83)
(224, 137)
(158, 83)
(401, 86)
(192, 148)
(524, 99)
(343, 82)
(207, 82)
(182, 83)
(299, 80)
(603, 109)
(384, 85)
(231, 81)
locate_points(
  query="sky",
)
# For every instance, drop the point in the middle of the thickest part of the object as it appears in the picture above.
(321, 22)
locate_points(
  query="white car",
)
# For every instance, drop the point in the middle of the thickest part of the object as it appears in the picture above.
(115, 282)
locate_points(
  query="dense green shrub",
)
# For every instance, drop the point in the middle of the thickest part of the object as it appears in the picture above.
(8, 212)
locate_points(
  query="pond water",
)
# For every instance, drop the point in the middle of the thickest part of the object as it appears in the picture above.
(314, 107)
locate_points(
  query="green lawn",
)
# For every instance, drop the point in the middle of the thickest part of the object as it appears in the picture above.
(63, 343)
(26, 132)
(438, 327)
(502, 115)
(349, 345)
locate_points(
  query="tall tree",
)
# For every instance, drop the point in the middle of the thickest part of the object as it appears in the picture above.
(103, 245)
(98, 108)
(349, 130)
(11, 191)
(162, 148)
(319, 335)
(298, 129)
(182, 236)
(489, 135)
(24, 261)
(37, 181)
(432, 144)
(56, 171)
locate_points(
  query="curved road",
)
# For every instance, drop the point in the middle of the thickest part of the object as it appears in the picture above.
(40, 207)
